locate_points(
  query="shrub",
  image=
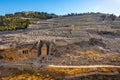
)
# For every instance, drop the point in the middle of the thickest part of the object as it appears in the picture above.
(8, 24)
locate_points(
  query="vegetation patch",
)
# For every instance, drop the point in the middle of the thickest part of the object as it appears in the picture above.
(72, 72)
(7, 24)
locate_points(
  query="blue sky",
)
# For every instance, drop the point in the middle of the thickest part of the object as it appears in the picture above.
(60, 6)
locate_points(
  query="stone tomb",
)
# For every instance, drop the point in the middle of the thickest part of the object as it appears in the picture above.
(44, 48)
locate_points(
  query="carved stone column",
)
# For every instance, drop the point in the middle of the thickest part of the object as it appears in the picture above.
(39, 46)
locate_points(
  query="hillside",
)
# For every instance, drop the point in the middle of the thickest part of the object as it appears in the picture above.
(77, 40)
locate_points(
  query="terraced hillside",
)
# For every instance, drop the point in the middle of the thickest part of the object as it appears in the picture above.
(71, 29)
(84, 39)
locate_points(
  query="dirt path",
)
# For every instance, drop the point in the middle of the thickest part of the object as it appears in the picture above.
(87, 66)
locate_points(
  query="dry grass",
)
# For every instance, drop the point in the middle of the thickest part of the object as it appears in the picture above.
(27, 76)
(92, 54)
(53, 73)
(73, 72)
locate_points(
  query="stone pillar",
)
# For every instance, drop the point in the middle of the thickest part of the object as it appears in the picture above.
(50, 48)
(39, 46)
